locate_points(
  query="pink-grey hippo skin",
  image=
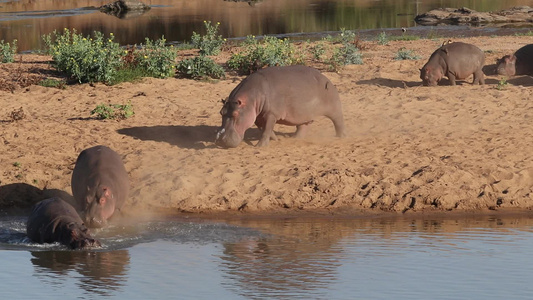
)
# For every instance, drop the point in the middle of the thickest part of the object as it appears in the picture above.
(100, 184)
(519, 63)
(54, 220)
(292, 95)
(456, 61)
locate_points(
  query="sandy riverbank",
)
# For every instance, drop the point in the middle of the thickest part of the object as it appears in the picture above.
(409, 147)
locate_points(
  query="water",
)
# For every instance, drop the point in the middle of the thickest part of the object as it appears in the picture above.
(278, 258)
(28, 20)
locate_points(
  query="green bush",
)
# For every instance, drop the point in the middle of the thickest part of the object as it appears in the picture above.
(210, 43)
(317, 51)
(271, 52)
(348, 54)
(156, 59)
(7, 51)
(383, 38)
(83, 58)
(406, 54)
(200, 67)
(113, 111)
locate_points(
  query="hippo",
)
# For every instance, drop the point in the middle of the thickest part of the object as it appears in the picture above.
(55, 220)
(519, 63)
(290, 95)
(455, 60)
(100, 184)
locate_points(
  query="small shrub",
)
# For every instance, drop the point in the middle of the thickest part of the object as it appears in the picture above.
(528, 33)
(404, 37)
(83, 58)
(406, 54)
(113, 111)
(383, 38)
(348, 54)
(271, 52)
(200, 67)
(8, 51)
(501, 84)
(155, 58)
(53, 83)
(317, 51)
(210, 43)
(346, 36)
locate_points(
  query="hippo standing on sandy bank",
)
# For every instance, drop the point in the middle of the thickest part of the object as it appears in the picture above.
(99, 184)
(455, 60)
(519, 63)
(292, 95)
(54, 220)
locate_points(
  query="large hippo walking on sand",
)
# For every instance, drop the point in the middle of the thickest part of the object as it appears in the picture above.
(54, 220)
(100, 184)
(292, 95)
(455, 60)
(520, 63)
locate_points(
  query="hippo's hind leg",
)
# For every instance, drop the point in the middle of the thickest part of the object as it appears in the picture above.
(479, 77)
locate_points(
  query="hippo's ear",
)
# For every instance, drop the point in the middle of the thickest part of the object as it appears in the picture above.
(224, 100)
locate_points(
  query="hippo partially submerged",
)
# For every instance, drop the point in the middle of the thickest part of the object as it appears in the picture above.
(292, 95)
(455, 60)
(100, 184)
(519, 63)
(54, 220)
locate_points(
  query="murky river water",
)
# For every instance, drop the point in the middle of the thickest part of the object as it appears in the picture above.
(28, 20)
(177, 258)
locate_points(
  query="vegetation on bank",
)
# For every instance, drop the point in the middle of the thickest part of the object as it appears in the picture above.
(98, 58)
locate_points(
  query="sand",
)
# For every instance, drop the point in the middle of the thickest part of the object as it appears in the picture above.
(409, 148)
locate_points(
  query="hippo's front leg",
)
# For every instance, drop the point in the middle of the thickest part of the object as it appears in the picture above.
(268, 130)
(451, 77)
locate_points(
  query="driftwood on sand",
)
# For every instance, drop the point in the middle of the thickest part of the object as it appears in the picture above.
(519, 14)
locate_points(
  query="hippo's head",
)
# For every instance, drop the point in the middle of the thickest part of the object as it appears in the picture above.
(100, 206)
(506, 65)
(77, 236)
(237, 116)
(430, 76)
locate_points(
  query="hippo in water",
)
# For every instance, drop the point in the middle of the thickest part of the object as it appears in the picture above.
(292, 95)
(519, 63)
(100, 184)
(54, 220)
(455, 60)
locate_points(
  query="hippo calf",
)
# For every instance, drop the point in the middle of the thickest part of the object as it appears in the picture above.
(455, 60)
(100, 184)
(519, 63)
(292, 95)
(54, 220)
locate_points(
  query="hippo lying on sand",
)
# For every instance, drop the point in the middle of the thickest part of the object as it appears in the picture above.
(99, 184)
(454, 60)
(293, 95)
(54, 220)
(520, 63)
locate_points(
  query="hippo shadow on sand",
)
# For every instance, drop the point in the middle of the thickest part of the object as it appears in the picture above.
(23, 196)
(392, 83)
(190, 137)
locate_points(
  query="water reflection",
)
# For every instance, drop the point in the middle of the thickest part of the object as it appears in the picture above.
(28, 20)
(99, 272)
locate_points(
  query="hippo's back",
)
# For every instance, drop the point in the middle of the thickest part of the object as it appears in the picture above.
(524, 60)
(46, 215)
(99, 165)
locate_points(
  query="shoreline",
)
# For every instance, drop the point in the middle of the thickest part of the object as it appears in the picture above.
(411, 150)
